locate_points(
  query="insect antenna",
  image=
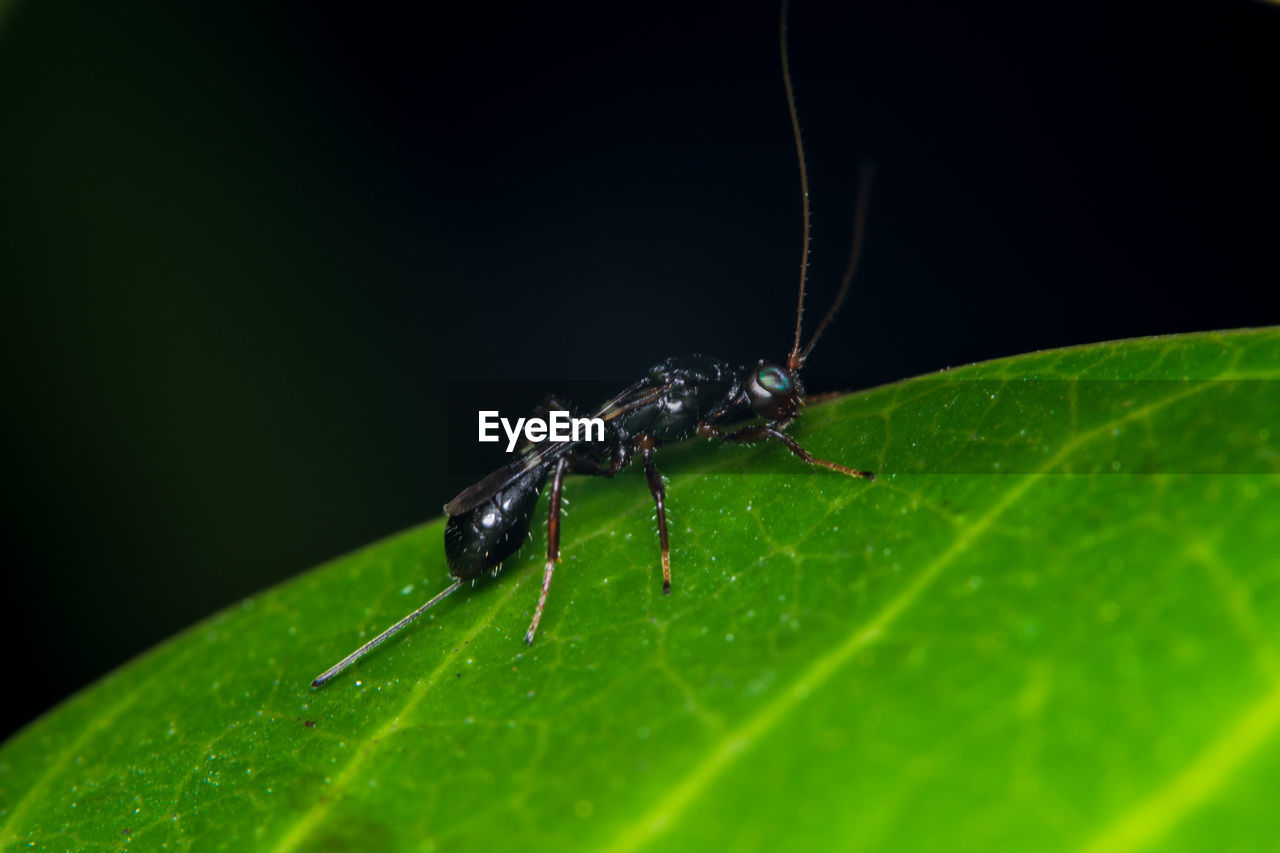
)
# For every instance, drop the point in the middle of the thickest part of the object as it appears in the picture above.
(797, 357)
(855, 253)
(333, 671)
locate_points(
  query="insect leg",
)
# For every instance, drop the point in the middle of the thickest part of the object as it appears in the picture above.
(794, 447)
(659, 492)
(553, 545)
(746, 435)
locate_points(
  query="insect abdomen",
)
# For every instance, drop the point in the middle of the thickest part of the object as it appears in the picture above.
(483, 537)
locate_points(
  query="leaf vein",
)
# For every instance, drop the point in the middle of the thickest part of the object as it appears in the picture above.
(729, 748)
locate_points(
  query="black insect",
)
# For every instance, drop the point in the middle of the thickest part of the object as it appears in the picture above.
(678, 399)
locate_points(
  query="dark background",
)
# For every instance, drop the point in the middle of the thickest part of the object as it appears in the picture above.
(244, 246)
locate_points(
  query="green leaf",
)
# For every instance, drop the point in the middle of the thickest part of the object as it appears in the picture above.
(1050, 623)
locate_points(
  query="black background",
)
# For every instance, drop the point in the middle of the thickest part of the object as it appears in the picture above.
(244, 246)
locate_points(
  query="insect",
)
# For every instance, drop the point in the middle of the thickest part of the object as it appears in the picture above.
(678, 399)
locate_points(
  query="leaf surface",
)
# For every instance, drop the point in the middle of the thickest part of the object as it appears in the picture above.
(1050, 623)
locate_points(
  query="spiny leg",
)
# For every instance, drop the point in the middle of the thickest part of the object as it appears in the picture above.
(746, 435)
(577, 464)
(553, 546)
(659, 492)
(794, 447)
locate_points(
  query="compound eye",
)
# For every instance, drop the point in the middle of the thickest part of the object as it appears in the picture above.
(774, 380)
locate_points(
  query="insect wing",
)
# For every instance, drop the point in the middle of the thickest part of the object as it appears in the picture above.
(477, 493)
(471, 497)
(640, 394)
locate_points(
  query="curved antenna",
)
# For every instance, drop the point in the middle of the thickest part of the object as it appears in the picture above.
(329, 674)
(867, 172)
(795, 359)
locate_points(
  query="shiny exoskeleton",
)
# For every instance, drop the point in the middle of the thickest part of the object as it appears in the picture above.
(485, 536)
(678, 399)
